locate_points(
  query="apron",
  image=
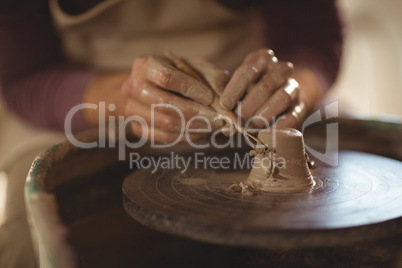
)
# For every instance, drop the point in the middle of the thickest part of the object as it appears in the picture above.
(113, 33)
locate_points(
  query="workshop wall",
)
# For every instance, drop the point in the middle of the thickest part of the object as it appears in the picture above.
(370, 80)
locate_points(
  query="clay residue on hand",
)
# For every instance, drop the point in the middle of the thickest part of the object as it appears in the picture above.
(280, 164)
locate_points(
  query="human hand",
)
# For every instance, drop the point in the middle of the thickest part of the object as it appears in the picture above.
(155, 79)
(265, 88)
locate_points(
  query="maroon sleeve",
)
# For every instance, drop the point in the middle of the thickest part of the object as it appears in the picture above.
(306, 33)
(37, 82)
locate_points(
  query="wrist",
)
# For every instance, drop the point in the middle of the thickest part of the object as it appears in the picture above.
(105, 88)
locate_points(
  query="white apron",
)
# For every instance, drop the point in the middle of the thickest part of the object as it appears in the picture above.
(111, 34)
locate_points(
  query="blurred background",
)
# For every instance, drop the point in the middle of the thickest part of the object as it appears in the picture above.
(370, 80)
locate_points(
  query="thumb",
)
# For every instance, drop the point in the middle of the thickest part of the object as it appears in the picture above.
(216, 77)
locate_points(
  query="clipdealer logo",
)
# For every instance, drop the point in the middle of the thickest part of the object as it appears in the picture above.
(120, 123)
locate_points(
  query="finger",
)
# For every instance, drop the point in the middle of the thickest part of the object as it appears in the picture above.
(212, 74)
(150, 95)
(160, 136)
(166, 102)
(264, 89)
(162, 73)
(160, 120)
(229, 130)
(280, 101)
(249, 71)
(293, 118)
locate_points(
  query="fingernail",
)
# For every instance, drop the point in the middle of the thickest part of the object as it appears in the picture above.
(226, 104)
(209, 98)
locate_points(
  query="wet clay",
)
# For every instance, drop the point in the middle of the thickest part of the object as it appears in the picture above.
(281, 165)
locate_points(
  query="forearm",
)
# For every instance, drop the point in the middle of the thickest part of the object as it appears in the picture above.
(44, 97)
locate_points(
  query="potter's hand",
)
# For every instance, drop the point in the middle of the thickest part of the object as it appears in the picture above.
(169, 99)
(265, 89)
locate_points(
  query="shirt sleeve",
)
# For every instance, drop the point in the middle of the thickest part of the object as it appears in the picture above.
(37, 83)
(306, 33)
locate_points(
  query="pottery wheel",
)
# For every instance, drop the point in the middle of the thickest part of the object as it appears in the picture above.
(359, 200)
